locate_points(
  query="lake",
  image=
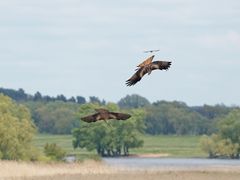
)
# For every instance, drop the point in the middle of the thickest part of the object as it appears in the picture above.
(169, 162)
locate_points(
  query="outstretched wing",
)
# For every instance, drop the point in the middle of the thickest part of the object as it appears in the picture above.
(151, 51)
(137, 76)
(162, 65)
(146, 62)
(119, 116)
(101, 110)
(91, 118)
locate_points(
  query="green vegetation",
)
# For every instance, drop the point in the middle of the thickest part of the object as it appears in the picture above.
(16, 131)
(54, 152)
(65, 142)
(226, 143)
(58, 115)
(133, 101)
(112, 138)
(174, 146)
(54, 117)
(20, 119)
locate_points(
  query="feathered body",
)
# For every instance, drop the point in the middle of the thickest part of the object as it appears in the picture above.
(104, 114)
(147, 68)
(146, 62)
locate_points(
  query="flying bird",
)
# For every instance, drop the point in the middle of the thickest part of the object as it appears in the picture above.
(104, 114)
(151, 51)
(148, 68)
(146, 62)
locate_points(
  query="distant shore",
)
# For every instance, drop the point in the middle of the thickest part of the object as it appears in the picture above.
(150, 155)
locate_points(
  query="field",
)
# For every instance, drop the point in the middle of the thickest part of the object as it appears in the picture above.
(172, 146)
(96, 170)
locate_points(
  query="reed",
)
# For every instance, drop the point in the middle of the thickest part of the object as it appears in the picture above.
(91, 170)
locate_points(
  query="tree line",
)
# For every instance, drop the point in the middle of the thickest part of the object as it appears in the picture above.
(58, 115)
(21, 119)
(20, 95)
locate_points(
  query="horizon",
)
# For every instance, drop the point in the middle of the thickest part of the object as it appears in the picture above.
(109, 101)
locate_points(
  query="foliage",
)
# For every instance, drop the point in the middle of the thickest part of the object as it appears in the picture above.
(209, 145)
(16, 131)
(96, 100)
(54, 152)
(230, 126)
(133, 101)
(54, 117)
(81, 100)
(174, 118)
(20, 95)
(14, 94)
(110, 139)
(212, 112)
(57, 115)
(226, 142)
(215, 146)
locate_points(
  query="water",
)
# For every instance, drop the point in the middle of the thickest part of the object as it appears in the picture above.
(169, 162)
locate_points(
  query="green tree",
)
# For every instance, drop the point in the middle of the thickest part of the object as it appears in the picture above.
(226, 142)
(133, 101)
(81, 100)
(174, 118)
(55, 117)
(16, 131)
(209, 145)
(112, 139)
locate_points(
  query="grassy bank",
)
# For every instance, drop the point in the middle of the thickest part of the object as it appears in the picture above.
(173, 146)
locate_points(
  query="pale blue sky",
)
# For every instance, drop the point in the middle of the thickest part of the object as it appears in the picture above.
(91, 47)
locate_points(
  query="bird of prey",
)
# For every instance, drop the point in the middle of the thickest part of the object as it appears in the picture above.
(146, 62)
(104, 114)
(148, 68)
(151, 51)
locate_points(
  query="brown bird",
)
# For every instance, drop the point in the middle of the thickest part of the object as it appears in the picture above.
(148, 68)
(104, 114)
(146, 62)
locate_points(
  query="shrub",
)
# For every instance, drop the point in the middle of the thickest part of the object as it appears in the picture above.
(54, 152)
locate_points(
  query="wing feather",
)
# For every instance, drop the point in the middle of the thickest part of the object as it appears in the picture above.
(91, 118)
(162, 65)
(137, 76)
(119, 116)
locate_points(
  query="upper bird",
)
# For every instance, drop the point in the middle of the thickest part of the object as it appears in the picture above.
(147, 66)
(151, 51)
(104, 114)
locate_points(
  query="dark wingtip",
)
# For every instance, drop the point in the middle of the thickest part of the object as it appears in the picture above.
(85, 120)
(169, 64)
(129, 83)
(126, 116)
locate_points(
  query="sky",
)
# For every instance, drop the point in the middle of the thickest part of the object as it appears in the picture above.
(91, 47)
